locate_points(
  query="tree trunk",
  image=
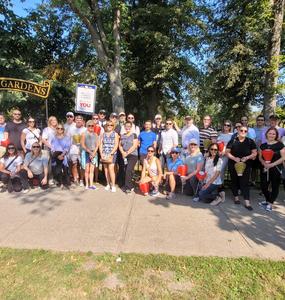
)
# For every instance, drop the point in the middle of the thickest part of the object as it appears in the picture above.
(273, 58)
(116, 86)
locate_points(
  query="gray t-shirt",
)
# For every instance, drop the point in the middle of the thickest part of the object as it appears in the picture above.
(127, 142)
(36, 165)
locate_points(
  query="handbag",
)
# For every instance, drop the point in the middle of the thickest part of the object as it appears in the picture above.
(106, 158)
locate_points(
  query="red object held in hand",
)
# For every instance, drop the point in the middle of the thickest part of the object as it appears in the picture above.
(144, 187)
(5, 143)
(267, 155)
(201, 175)
(97, 129)
(182, 170)
(221, 145)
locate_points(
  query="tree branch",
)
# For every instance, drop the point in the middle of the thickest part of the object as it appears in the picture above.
(117, 37)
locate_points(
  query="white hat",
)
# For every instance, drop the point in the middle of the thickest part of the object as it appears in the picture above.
(158, 116)
(70, 114)
(193, 141)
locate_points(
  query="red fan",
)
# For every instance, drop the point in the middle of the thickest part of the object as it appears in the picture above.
(221, 145)
(267, 155)
(144, 187)
(5, 143)
(97, 129)
(182, 170)
(201, 175)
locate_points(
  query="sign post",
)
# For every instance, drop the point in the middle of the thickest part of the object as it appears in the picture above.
(85, 98)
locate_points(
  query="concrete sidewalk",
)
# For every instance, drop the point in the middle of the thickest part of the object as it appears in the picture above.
(102, 221)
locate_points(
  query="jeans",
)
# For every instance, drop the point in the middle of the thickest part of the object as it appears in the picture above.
(29, 181)
(191, 186)
(209, 194)
(274, 179)
(129, 169)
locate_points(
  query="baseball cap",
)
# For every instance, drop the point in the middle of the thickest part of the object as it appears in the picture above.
(102, 111)
(70, 114)
(193, 141)
(175, 149)
(158, 116)
(122, 114)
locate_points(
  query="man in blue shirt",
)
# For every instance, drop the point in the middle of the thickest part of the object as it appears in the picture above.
(173, 162)
(146, 138)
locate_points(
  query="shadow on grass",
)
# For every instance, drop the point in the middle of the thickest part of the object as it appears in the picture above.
(258, 226)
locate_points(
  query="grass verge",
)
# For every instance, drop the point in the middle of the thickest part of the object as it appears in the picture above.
(39, 274)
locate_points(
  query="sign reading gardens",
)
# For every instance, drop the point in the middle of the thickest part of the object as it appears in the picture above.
(19, 85)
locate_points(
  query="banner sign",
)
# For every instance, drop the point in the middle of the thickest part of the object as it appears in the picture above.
(19, 85)
(85, 98)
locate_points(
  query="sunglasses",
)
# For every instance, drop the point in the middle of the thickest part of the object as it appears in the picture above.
(242, 130)
(174, 152)
(36, 147)
(130, 118)
(31, 121)
(158, 118)
(59, 128)
(193, 144)
(150, 151)
(214, 149)
(90, 125)
(11, 148)
(16, 114)
(95, 118)
(168, 123)
(71, 117)
(228, 125)
(259, 120)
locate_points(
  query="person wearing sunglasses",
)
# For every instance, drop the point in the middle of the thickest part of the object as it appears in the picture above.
(30, 135)
(188, 132)
(146, 138)
(90, 143)
(171, 175)
(135, 129)
(225, 136)
(241, 149)
(108, 152)
(151, 171)
(270, 173)
(169, 140)
(128, 146)
(14, 129)
(194, 162)
(102, 118)
(207, 132)
(209, 192)
(74, 153)
(35, 168)
(60, 147)
(10, 167)
(69, 124)
(157, 127)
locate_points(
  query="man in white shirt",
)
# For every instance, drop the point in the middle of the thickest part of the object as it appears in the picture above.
(69, 124)
(169, 140)
(188, 132)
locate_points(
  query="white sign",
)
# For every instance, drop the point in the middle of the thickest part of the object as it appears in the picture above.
(85, 98)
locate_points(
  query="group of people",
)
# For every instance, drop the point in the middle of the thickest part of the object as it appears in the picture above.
(70, 153)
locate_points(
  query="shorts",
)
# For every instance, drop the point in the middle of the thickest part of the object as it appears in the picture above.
(94, 161)
(75, 158)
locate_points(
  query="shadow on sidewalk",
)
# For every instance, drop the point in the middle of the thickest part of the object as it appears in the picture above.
(258, 226)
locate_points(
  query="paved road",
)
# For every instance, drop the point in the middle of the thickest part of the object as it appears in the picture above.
(102, 221)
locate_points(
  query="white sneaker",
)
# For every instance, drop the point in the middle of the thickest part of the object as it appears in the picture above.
(81, 183)
(223, 196)
(195, 199)
(217, 201)
(25, 191)
(113, 190)
(107, 187)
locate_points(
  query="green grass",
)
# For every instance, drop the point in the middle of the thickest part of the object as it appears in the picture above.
(38, 274)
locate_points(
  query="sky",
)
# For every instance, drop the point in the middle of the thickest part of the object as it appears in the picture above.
(20, 6)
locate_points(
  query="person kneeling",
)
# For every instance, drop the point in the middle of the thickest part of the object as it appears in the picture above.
(209, 192)
(151, 171)
(35, 167)
(171, 175)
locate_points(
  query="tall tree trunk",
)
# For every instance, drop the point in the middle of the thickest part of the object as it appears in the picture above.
(116, 86)
(273, 58)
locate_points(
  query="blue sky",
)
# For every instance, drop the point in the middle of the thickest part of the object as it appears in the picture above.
(20, 6)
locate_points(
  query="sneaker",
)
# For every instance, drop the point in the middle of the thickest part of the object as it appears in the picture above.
(217, 201)
(128, 191)
(107, 187)
(268, 207)
(145, 194)
(113, 189)
(195, 199)
(154, 193)
(263, 203)
(92, 187)
(87, 188)
(25, 191)
(81, 183)
(51, 182)
(170, 196)
(223, 196)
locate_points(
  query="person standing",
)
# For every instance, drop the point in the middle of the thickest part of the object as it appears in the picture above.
(270, 172)
(273, 122)
(2, 127)
(102, 118)
(251, 132)
(157, 128)
(188, 132)
(207, 132)
(169, 140)
(13, 130)
(69, 124)
(241, 149)
(90, 143)
(128, 147)
(30, 135)
(135, 129)
(146, 138)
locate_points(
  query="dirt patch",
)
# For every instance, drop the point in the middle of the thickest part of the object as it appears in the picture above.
(180, 286)
(112, 282)
(89, 266)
